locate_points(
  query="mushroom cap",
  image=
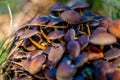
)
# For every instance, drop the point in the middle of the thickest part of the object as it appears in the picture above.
(74, 49)
(57, 7)
(112, 53)
(40, 20)
(55, 53)
(71, 17)
(115, 28)
(55, 34)
(28, 33)
(103, 38)
(83, 41)
(70, 35)
(81, 59)
(106, 22)
(54, 21)
(77, 5)
(94, 23)
(65, 71)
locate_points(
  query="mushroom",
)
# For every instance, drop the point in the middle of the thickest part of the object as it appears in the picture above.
(79, 5)
(55, 34)
(112, 54)
(72, 17)
(81, 60)
(73, 49)
(106, 22)
(83, 41)
(102, 38)
(55, 53)
(65, 71)
(57, 8)
(33, 64)
(70, 35)
(40, 20)
(115, 28)
(28, 33)
(50, 74)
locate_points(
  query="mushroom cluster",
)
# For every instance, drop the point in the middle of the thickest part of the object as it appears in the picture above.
(71, 43)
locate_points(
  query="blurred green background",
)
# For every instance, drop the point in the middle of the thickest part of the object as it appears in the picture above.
(110, 8)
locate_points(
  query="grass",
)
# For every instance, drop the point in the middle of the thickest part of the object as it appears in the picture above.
(15, 4)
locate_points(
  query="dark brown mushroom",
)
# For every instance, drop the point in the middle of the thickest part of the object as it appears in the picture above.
(72, 17)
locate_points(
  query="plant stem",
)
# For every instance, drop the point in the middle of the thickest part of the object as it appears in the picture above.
(10, 15)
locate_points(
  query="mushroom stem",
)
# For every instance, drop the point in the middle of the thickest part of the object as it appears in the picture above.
(81, 32)
(61, 41)
(81, 12)
(101, 47)
(44, 35)
(82, 28)
(37, 44)
(88, 29)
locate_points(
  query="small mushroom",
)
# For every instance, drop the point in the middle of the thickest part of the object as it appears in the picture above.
(55, 53)
(28, 33)
(115, 28)
(104, 69)
(106, 22)
(102, 38)
(33, 64)
(50, 74)
(40, 20)
(81, 60)
(83, 41)
(112, 54)
(70, 35)
(73, 49)
(55, 34)
(65, 71)
(72, 17)
(57, 7)
(79, 5)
